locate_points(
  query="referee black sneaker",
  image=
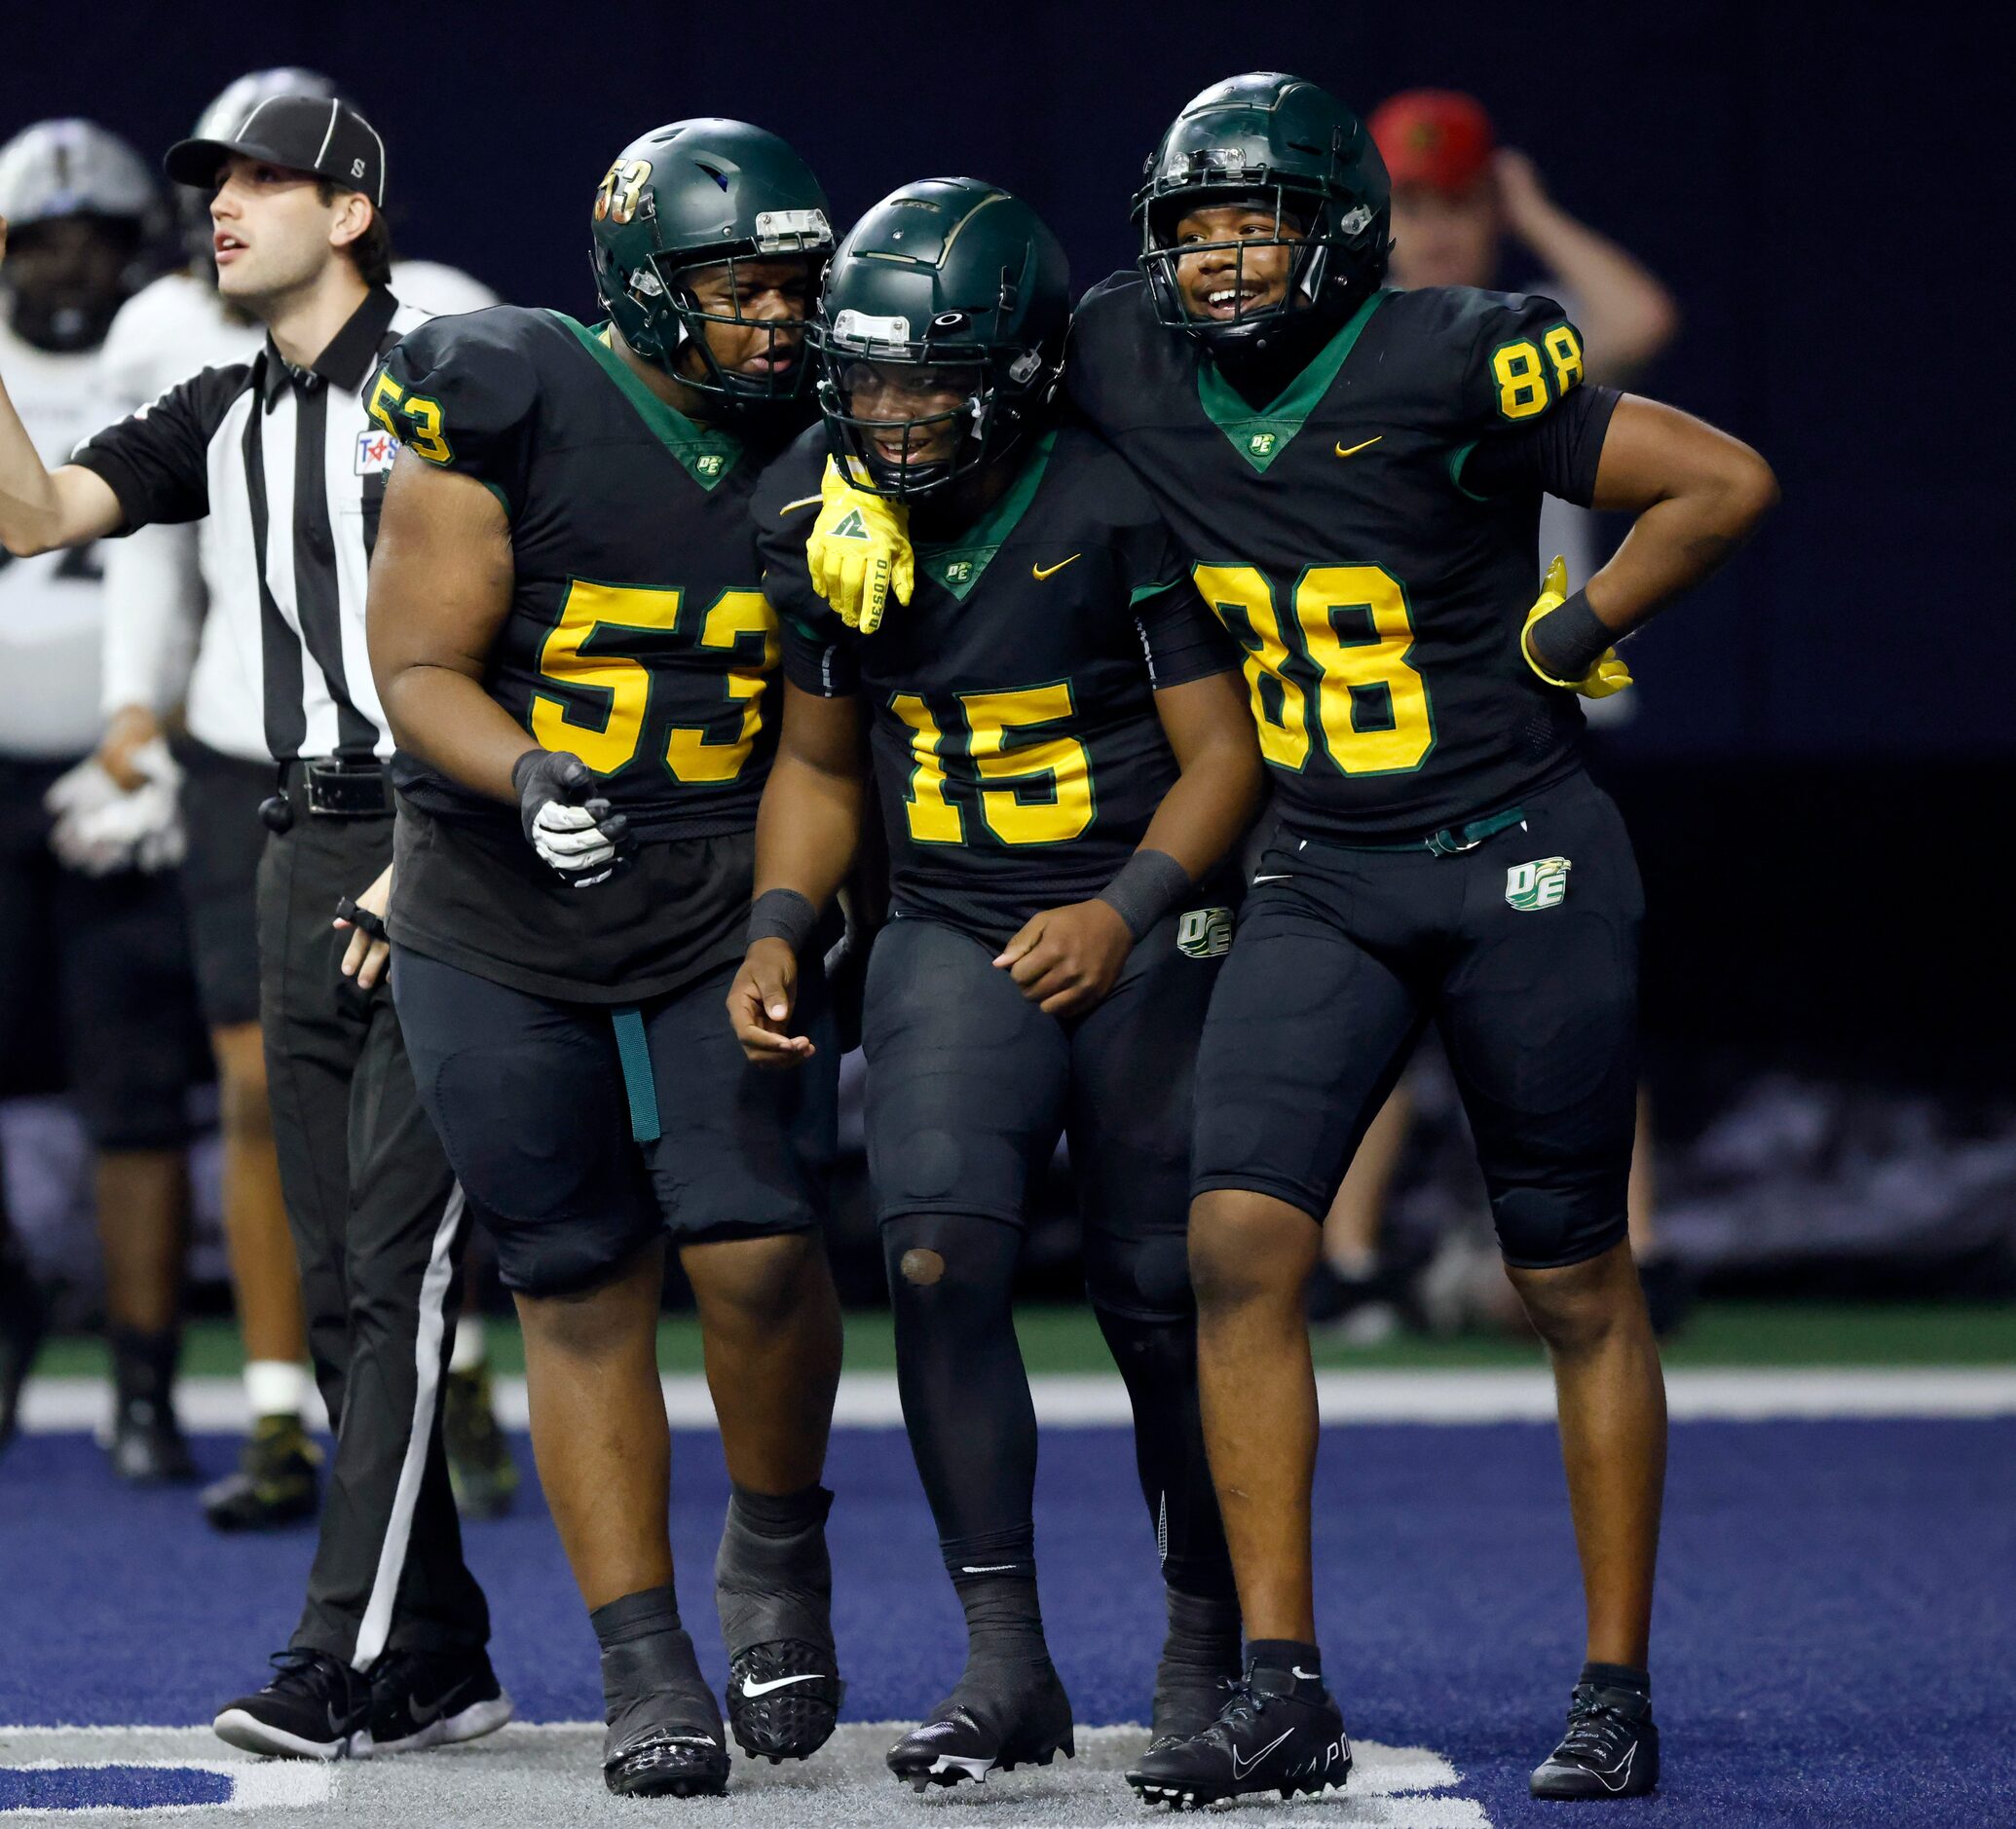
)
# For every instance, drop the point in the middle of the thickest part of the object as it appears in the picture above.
(1611, 1748)
(314, 1707)
(999, 1716)
(1277, 1732)
(774, 1592)
(422, 1699)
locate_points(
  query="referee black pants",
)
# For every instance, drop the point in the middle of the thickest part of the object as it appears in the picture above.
(379, 1225)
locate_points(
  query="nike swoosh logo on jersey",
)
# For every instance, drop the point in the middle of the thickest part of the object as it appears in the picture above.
(1357, 448)
(1041, 572)
(1257, 880)
(803, 502)
(1240, 1768)
(753, 1688)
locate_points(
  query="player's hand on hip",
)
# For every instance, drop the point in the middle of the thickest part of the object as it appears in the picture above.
(859, 551)
(568, 821)
(363, 917)
(1608, 675)
(760, 1003)
(1065, 960)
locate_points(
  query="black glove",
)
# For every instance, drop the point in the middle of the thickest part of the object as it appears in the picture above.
(567, 821)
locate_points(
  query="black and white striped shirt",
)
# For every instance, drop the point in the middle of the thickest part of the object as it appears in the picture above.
(288, 471)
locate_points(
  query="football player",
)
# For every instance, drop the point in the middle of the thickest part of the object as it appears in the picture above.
(577, 658)
(1355, 475)
(1059, 740)
(163, 655)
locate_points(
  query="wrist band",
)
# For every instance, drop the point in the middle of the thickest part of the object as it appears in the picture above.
(1569, 639)
(1149, 884)
(782, 914)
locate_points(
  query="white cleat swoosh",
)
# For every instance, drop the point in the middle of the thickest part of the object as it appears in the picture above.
(753, 1688)
(1623, 1769)
(1241, 1768)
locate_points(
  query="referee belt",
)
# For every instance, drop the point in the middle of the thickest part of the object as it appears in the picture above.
(339, 787)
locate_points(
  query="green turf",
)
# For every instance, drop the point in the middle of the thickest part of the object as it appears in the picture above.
(1056, 1339)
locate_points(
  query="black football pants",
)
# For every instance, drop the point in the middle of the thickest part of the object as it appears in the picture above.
(379, 1226)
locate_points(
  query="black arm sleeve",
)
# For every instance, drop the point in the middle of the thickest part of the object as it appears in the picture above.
(157, 461)
(1553, 455)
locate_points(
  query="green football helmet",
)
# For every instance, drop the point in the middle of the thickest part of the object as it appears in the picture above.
(940, 335)
(694, 194)
(1298, 151)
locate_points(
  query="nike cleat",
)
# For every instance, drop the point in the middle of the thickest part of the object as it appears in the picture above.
(431, 1698)
(481, 1473)
(275, 1481)
(147, 1448)
(776, 1599)
(664, 1736)
(315, 1708)
(994, 1720)
(1611, 1748)
(1278, 1730)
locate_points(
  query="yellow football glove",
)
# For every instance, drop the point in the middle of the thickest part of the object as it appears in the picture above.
(1609, 674)
(859, 550)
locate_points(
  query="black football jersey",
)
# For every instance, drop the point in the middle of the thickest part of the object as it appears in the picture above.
(1017, 753)
(1379, 602)
(638, 637)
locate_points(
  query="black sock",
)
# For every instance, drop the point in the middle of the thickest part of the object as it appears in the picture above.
(1286, 1656)
(780, 1514)
(1158, 1361)
(1203, 1631)
(1003, 1620)
(1616, 1676)
(143, 1365)
(636, 1616)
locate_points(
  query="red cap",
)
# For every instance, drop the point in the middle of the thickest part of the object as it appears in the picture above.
(1433, 136)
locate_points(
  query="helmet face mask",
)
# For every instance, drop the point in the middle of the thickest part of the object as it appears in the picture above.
(1279, 149)
(940, 336)
(693, 225)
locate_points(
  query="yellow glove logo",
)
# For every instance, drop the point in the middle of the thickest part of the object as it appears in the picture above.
(858, 551)
(1609, 674)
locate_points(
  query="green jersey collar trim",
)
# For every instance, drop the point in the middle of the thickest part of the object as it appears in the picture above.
(1261, 438)
(706, 455)
(958, 564)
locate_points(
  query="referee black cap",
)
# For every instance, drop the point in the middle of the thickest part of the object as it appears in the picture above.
(303, 133)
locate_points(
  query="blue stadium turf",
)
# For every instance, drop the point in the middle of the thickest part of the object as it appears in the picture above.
(1835, 1639)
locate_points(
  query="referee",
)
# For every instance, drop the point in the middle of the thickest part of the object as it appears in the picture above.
(278, 456)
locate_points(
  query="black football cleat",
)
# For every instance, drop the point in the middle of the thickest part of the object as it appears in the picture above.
(1277, 1732)
(776, 1599)
(147, 1448)
(481, 1473)
(274, 1484)
(664, 1736)
(1611, 1748)
(316, 1707)
(997, 1718)
(431, 1698)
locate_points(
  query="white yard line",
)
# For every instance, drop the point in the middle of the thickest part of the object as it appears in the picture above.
(868, 1400)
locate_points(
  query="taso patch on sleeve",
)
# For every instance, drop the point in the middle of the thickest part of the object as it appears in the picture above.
(376, 450)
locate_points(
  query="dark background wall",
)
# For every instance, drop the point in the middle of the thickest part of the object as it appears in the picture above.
(1823, 735)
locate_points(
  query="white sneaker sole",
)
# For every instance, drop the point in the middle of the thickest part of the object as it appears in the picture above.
(469, 1724)
(239, 1728)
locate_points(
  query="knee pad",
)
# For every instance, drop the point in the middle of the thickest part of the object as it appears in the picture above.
(1546, 1228)
(948, 1261)
(1145, 1278)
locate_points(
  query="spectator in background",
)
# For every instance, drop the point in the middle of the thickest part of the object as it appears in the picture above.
(94, 981)
(166, 660)
(1458, 197)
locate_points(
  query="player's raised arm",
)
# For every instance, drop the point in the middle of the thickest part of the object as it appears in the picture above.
(40, 509)
(441, 580)
(807, 832)
(1697, 495)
